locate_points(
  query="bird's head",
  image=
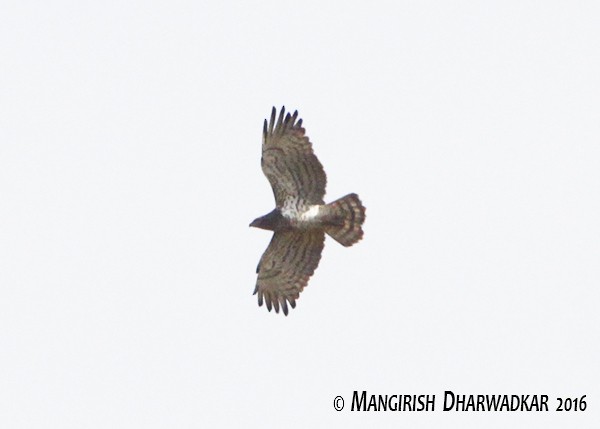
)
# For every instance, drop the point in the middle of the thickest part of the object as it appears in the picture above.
(268, 221)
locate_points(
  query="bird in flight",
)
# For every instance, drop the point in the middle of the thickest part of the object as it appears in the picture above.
(301, 218)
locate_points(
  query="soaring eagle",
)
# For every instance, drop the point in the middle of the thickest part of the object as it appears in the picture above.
(301, 218)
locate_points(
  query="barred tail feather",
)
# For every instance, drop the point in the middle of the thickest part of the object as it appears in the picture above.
(348, 215)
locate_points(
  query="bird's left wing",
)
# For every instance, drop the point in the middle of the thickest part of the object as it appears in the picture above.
(285, 267)
(289, 162)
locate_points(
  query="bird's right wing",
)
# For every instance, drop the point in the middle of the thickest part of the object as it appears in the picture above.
(285, 267)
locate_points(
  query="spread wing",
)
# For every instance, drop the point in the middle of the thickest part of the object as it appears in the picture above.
(289, 163)
(285, 267)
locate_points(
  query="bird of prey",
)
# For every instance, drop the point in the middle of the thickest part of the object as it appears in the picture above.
(301, 218)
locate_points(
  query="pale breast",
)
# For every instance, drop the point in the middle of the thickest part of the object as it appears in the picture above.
(299, 214)
(311, 213)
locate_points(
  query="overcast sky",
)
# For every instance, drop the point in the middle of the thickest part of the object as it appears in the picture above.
(130, 138)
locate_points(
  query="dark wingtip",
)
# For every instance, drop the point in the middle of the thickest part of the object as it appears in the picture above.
(272, 120)
(279, 124)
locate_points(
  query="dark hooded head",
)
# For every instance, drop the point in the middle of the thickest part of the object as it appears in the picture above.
(271, 221)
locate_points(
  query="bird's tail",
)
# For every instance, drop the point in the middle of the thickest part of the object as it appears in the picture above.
(347, 216)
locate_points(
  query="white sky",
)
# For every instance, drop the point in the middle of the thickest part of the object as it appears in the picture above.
(130, 140)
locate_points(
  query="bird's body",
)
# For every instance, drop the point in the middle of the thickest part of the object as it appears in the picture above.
(300, 219)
